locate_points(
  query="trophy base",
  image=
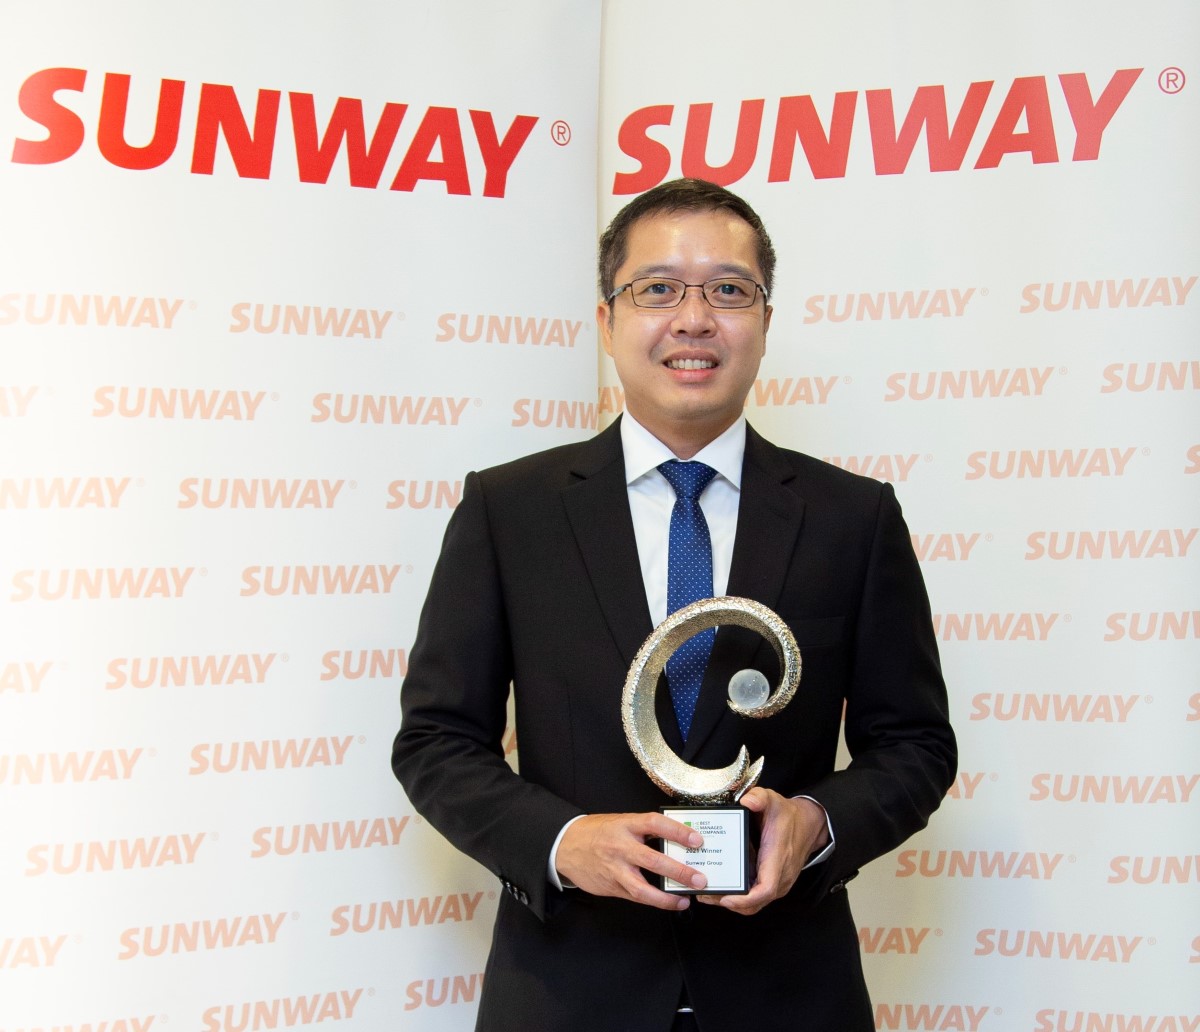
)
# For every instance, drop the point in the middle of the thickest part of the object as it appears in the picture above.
(724, 858)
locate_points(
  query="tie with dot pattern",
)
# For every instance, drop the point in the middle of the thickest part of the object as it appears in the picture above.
(689, 578)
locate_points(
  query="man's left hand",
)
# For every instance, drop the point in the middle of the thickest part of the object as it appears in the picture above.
(791, 831)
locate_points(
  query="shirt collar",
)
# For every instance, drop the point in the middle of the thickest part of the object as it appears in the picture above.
(644, 452)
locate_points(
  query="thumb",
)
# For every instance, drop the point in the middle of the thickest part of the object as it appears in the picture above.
(756, 800)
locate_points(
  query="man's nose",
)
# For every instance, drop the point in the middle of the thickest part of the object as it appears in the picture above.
(694, 316)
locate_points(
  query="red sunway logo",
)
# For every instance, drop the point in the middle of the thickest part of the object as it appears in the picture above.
(434, 992)
(1022, 942)
(1061, 707)
(24, 677)
(437, 151)
(209, 934)
(69, 767)
(957, 863)
(421, 494)
(400, 913)
(330, 835)
(1113, 788)
(507, 329)
(14, 401)
(1154, 870)
(1050, 1020)
(364, 663)
(284, 1012)
(892, 940)
(30, 951)
(181, 671)
(268, 754)
(557, 413)
(929, 1016)
(827, 146)
(112, 855)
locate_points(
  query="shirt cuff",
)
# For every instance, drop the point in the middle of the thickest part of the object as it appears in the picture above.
(824, 854)
(552, 875)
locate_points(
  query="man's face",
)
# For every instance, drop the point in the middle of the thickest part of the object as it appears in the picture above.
(686, 371)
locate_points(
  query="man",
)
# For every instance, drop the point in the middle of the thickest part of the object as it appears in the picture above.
(554, 570)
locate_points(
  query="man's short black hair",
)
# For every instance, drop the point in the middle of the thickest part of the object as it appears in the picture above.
(679, 195)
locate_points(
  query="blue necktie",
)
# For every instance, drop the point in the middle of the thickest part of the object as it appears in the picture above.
(689, 578)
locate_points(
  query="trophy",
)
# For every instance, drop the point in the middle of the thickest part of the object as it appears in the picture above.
(707, 797)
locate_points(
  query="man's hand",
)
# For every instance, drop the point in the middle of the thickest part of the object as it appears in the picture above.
(792, 830)
(602, 854)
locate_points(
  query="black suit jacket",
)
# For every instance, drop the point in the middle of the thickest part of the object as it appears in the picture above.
(539, 584)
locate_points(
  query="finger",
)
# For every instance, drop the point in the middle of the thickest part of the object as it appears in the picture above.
(656, 862)
(755, 800)
(661, 826)
(638, 890)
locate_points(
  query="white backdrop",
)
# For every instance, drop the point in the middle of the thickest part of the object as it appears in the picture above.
(238, 395)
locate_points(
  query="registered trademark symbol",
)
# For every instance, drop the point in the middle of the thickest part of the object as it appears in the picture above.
(993, 777)
(203, 571)
(1071, 859)
(274, 395)
(847, 379)
(1171, 80)
(353, 484)
(1149, 699)
(283, 658)
(989, 536)
(362, 739)
(492, 895)
(295, 916)
(399, 316)
(408, 569)
(1066, 617)
(928, 458)
(1145, 451)
(1062, 370)
(560, 133)
(141, 482)
(1152, 941)
(153, 754)
(478, 402)
(371, 991)
(937, 932)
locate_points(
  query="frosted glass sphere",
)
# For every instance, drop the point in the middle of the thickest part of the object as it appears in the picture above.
(748, 689)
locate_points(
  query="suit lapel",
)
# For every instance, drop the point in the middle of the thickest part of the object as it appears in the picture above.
(597, 506)
(768, 524)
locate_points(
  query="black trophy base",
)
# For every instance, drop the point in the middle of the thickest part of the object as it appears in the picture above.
(724, 858)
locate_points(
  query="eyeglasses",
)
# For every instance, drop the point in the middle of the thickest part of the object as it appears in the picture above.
(663, 292)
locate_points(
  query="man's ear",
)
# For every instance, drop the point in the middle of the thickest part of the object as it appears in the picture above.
(604, 326)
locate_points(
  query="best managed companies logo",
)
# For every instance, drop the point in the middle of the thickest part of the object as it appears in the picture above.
(436, 152)
(1024, 124)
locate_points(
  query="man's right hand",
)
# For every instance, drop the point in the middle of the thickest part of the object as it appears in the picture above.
(605, 854)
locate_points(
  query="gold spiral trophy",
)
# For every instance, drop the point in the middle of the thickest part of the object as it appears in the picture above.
(708, 798)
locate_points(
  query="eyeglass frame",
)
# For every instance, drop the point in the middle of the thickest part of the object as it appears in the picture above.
(686, 286)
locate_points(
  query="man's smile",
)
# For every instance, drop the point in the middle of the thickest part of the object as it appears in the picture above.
(691, 363)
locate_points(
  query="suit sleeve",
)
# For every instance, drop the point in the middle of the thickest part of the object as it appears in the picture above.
(448, 754)
(903, 751)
